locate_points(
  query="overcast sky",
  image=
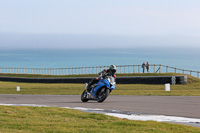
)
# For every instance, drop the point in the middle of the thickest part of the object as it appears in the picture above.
(99, 23)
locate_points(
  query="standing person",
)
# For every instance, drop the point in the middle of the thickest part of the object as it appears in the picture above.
(147, 66)
(143, 67)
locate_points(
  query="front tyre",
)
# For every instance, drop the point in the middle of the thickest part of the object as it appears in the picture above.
(84, 96)
(102, 94)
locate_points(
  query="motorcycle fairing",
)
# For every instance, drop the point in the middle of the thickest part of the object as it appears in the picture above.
(97, 86)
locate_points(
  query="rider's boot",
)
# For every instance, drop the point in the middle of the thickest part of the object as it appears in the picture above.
(88, 88)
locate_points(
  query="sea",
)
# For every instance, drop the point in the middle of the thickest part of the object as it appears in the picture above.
(183, 58)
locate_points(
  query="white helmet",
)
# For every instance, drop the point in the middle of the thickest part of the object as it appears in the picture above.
(113, 69)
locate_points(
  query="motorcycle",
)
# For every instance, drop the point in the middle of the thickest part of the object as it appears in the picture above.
(100, 90)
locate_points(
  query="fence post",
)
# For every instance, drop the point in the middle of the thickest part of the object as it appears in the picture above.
(175, 70)
(183, 71)
(134, 69)
(198, 74)
(124, 69)
(190, 73)
(138, 68)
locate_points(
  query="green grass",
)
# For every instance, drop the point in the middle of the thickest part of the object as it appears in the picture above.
(43, 89)
(191, 89)
(76, 89)
(57, 120)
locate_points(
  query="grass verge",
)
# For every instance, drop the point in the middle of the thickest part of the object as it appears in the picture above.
(52, 119)
(76, 89)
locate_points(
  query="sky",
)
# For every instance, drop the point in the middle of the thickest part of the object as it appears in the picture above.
(67, 24)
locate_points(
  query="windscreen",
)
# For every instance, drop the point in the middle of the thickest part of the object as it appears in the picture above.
(111, 80)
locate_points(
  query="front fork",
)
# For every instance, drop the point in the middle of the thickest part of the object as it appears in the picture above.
(86, 86)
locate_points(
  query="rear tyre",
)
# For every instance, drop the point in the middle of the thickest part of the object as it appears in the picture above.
(102, 94)
(84, 96)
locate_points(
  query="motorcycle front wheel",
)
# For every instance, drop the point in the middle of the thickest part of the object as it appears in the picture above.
(84, 96)
(102, 94)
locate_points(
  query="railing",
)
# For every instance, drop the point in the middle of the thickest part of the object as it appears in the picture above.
(155, 68)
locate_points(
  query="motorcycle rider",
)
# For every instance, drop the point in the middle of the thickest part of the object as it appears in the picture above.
(106, 72)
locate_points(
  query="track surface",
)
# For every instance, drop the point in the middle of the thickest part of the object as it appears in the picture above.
(185, 106)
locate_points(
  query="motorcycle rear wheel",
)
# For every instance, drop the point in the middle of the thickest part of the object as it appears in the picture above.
(84, 96)
(102, 94)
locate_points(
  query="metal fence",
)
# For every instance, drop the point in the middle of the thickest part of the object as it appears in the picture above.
(122, 69)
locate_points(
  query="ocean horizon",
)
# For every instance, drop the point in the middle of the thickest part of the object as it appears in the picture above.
(182, 58)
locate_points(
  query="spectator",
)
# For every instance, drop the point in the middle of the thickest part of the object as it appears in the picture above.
(143, 67)
(147, 67)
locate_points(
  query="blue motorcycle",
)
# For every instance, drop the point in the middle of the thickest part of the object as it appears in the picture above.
(100, 90)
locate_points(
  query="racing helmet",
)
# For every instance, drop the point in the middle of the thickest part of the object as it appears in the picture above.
(112, 69)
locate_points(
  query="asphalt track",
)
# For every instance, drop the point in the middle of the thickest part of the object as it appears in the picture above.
(184, 106)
